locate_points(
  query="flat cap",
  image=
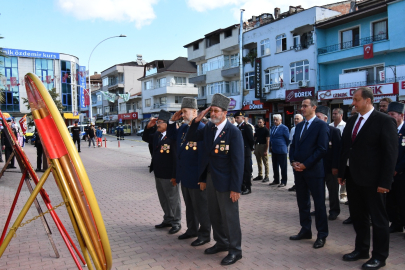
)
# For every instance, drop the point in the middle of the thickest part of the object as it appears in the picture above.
(220, 101)
(396, 107)
(239, 113)
(322, 109)
(189, 102)
(164, 115)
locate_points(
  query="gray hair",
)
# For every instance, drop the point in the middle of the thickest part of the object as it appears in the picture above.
(338, 110)
(299, 116)
(278, 116)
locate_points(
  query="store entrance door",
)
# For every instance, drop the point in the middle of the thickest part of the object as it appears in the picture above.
(289, 116)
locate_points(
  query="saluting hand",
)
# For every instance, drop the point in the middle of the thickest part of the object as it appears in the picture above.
(173, 180)
(201, 115)
(152, 122)
(203, 186)
(234, 196)
(176, 116)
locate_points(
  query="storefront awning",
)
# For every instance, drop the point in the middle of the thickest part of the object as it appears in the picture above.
(70, 116)
(99, 121)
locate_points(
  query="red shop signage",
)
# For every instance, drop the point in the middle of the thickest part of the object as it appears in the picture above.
(297, 95)
(128, 116)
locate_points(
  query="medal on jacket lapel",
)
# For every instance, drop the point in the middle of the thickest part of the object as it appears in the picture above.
(226, 148)
(187, 146)
(216, 149)
(403, 141)
(195, 146)
(161, 149)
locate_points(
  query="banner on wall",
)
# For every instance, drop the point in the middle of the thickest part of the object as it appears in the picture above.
(23, 124)
(258, 78)
(82, 83)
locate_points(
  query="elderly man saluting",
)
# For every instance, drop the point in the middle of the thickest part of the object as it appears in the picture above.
(222, 166)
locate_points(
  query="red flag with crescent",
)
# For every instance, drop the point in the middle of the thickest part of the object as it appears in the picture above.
(368, 51)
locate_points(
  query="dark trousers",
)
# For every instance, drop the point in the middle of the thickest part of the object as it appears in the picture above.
(333, 187)
(197, 213)
(366, 202)
(279, 160)
(169, 198)
(40, 152)
(316, 187)
(78, 143)
(7, 152)
(224, 216)
(396, 202)
(247, 171)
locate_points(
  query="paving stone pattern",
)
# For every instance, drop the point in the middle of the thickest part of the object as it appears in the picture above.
(126, 194)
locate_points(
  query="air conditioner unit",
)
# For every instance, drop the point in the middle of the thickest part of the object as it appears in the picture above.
(302, 83)
(266, 89)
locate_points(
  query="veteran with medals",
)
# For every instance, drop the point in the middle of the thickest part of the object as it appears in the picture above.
(222, 167)
(188, 160)
(164, 166)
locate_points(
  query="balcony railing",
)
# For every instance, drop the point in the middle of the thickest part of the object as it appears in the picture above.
(302, 46)
(352, 43)
(361, 83)
(166, 105)
(231, 64)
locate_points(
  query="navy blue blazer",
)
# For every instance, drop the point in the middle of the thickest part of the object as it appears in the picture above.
(331, 159)
(187, 159)
(226, 161)
(311, 148)
(280, 140)
(400, 167)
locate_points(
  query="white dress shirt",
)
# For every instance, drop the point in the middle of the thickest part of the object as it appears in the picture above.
(365, 117)
(220, 127)
(341, 126)
(399, 127)
(163, 135)
(309, 124)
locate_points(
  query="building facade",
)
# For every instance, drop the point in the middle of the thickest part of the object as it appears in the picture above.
(365, 47)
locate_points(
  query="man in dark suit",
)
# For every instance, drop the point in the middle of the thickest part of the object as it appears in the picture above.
(188, 159)
(396, 197)
(164, 166)
(7, 145)
(279, 141)
(331, 163)
(309, 146)
(222, 166)
(367, 165)
(248, 142)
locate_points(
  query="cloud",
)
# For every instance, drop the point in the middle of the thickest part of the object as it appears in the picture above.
(140, 12)
(204, 5)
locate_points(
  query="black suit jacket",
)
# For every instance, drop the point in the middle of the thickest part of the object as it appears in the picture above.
(400, 167)
(373, 154)
(331, 159)
(248, 139)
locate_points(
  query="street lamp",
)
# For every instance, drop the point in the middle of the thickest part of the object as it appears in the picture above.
(88, 66)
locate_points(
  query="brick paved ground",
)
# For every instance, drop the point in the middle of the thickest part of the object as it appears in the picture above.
(126, 194)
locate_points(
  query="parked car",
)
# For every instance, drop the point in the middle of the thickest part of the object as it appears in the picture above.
(140, 133)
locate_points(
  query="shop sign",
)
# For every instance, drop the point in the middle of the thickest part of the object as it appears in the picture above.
(376, 99)
(128, 116)
(299, 94)
(232, 104)
(381, 89)
(252, 105)
(402, 88)
(32, 54)
(258, 78)
(111, 117)
(82, 83)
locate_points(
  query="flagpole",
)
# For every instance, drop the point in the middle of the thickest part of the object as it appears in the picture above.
(88, 66)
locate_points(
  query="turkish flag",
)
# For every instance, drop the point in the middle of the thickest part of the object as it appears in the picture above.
(86, 97)
(13, 81)
(368, 51)
(48, 79)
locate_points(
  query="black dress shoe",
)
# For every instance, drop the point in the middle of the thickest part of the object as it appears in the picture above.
(292, 188)
(246, 192)
(38, 170)
(281, 185)
(332, 216)
(199, 242)
(163, 225)
(354, 256)
(301, 236)
(174, 229)
(373, 264)
(265, 180)
(231, 259)
(319, 243)
(258, 178)
(396, 229)
(313, 213)
(348, 221)
(215, 249)
(274, 183)
(186, 236)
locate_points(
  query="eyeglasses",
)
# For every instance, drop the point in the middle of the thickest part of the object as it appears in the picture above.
(160, 122)
(215, 111)
(305, 106)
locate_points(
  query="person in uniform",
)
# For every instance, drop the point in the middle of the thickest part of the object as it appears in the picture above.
(164, 167)
(248, 142)
(331, 163)
(40, 151)
(396, 197)
(76, 135)
(222, 166)
(7, 146)
(189, 156)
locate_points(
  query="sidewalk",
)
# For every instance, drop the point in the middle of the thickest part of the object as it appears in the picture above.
(126, 194)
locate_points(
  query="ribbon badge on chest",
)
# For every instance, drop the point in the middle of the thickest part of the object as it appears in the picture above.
(403, 141)
(165, 148)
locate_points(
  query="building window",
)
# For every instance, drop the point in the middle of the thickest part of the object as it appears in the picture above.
(105, 81)
(161, 82)
(180, 80)
(281, 43)
(297, 42)
(9, 84)
(178, 99)
(249, 80)
(196, 46)
(201, 91)
(147, 102)
(372, 73)
(162, 100)
(212, 40)
(147, 85)
(106, 109)
(99, 98)
(44, 70)
(231, 60)
(380, 30)
(350, 38)
(99, 110)
(123, 108)
(299, 71)
(66, 86)
(120, 77)
(265, 47)
(273, 76)
(228, 33)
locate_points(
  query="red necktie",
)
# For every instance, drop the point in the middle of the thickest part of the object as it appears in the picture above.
(356, 128)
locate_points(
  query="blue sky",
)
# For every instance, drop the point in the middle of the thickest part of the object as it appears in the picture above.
(157, 29)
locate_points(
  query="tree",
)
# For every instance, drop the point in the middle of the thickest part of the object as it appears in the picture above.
(56, 98)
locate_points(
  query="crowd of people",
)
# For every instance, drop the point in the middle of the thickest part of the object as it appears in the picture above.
(213, 162)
